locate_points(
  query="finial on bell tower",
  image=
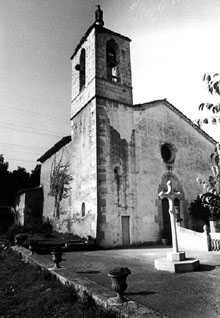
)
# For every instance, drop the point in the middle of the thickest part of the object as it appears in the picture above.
(99, 16)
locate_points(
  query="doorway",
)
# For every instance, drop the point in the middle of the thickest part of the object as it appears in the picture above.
(125, 222)
(166, 220)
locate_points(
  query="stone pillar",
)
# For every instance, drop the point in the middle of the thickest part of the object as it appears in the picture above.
(212, 226)
(171, 196)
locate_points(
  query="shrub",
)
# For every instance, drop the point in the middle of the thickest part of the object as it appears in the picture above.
(120, 271)
(198, 211)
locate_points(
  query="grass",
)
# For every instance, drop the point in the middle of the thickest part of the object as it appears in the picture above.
(26, 291)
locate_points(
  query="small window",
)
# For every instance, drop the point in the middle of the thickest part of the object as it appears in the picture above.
(117, 171)
(83, 209)
(82, 72)
(112, 61)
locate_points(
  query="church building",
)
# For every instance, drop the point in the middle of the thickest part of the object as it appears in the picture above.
(104, 179)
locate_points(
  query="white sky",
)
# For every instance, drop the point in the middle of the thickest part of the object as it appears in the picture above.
(174, 42)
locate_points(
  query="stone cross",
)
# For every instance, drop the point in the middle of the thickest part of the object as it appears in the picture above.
(171, 196)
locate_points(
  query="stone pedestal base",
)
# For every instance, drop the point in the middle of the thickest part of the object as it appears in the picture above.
(187, 265)
(176, 257)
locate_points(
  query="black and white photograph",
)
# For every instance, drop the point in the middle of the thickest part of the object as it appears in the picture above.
(109, 159)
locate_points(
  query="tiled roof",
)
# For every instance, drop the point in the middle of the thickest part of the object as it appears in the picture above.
(62, 142)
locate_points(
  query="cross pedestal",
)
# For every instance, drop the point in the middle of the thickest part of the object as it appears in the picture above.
(175, 261)
(176, 256)
(170, 195)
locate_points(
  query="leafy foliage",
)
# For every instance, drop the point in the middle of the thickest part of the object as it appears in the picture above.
(198, 211)
(7, 218)
(213, 86)
(44, 226)
(213, 83)
(12, 182)
(211, 189)
(214, 108)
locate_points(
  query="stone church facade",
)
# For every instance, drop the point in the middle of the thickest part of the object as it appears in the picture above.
(104, 179)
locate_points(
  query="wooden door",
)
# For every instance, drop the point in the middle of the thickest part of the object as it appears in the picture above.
(125, 221)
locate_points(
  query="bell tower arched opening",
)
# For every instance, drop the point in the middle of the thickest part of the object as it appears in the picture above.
(112, 61)
(82, 72)
(166, 230)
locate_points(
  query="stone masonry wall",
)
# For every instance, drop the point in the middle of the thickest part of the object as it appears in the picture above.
(116, 195)
(78, 206)
(154, 127)
(131, 169)
(84, 171)
(80, 98)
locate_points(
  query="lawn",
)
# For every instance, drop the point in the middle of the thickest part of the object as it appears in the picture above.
(26, 291)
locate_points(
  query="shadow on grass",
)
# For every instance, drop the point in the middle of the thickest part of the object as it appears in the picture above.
(205, 268)
(88, 272)
(140, 293)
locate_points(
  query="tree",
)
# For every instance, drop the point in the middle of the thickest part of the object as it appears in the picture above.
(5, 184)
(211, 189)
(35, 176)
(3, 165)
(20, 179)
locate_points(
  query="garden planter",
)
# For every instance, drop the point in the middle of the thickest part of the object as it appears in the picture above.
(56, 258)
(20, 238)
(119, 283)
(32, 247)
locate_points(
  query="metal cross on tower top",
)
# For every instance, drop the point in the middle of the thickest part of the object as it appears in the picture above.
(171, 196)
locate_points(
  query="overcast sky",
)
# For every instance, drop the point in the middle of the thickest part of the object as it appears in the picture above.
(174, 42)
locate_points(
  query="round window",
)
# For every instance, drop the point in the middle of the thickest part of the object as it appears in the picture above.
(167, 153)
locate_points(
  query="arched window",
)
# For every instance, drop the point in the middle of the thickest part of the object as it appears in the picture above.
(83, 209)
(112, 61)
(82, 72)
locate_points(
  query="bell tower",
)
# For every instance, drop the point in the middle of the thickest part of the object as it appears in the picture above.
(101, 66)
(101, 96)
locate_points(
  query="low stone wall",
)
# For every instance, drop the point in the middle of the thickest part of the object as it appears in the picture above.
(191, 240)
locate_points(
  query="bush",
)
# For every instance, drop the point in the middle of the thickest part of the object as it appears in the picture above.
(198, 211)
(47, 226)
